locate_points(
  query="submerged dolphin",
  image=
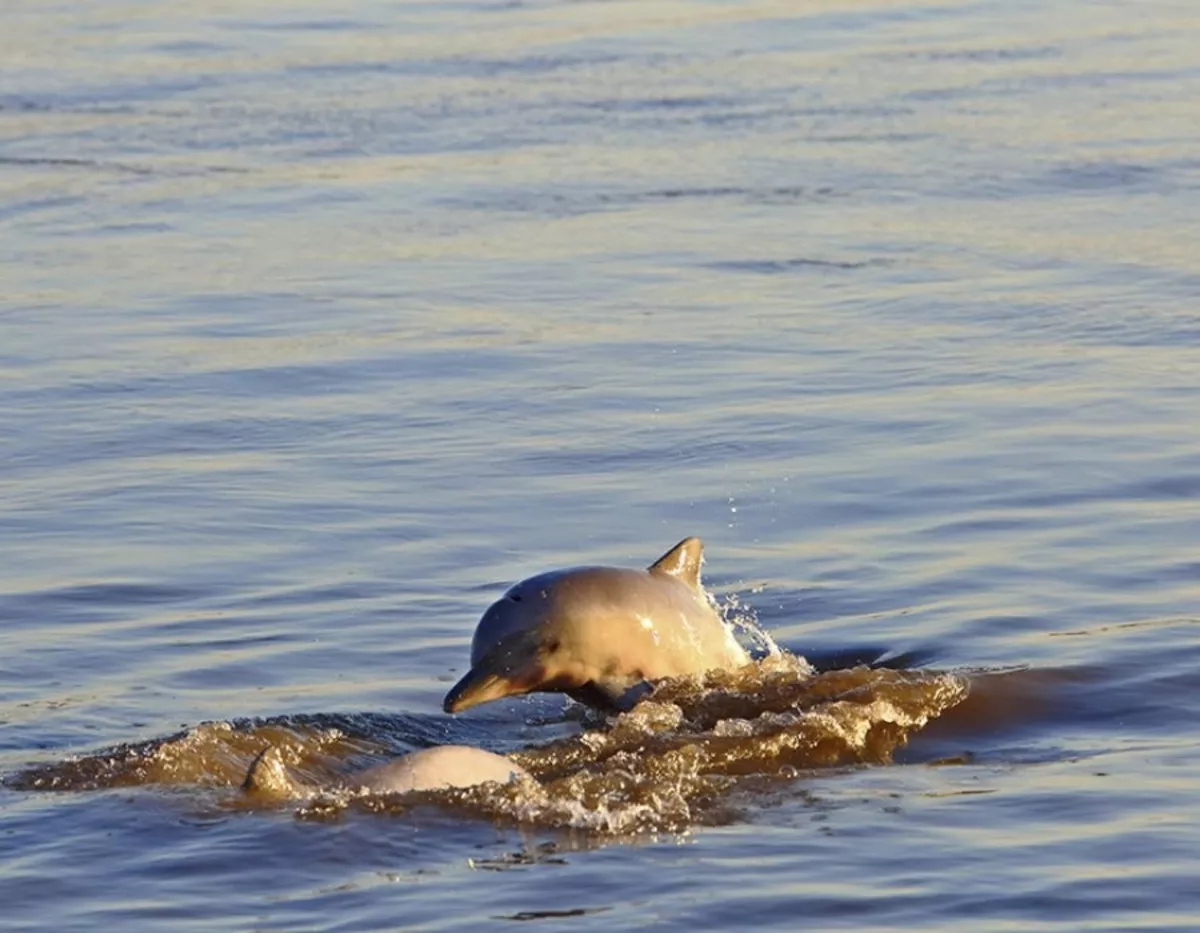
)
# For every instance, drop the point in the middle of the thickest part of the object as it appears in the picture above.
(598, 634)
(437, 768)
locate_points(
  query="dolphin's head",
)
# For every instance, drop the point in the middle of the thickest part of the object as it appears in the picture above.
(524, 643)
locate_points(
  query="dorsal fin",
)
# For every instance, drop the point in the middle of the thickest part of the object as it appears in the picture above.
(268, 775)
(682, 562)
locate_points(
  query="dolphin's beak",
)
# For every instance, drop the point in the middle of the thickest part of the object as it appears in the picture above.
(481, 685)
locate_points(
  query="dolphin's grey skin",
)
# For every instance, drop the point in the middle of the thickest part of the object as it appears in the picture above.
(598, 634)
(437, 768)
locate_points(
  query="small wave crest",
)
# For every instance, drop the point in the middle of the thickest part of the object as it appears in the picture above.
(677, 760)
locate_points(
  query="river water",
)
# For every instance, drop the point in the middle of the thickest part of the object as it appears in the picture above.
(322, 323)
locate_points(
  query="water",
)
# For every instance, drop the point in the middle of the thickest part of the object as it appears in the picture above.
(321, 323)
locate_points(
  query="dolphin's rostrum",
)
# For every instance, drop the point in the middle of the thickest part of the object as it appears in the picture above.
(598, 634)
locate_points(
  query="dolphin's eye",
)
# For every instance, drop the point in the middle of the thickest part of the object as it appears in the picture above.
(515, 598)
(551, 646)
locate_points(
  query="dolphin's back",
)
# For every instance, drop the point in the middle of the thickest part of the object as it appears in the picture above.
(437, 768)
(643, 624)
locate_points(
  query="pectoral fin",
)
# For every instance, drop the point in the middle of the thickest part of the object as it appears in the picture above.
(611, 697)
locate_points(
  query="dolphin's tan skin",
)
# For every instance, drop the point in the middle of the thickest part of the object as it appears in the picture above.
(598, 634)
(437, 768)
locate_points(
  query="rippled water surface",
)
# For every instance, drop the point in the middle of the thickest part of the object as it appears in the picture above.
(322, 323)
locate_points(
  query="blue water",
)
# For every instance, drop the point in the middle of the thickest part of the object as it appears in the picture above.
(322, 323)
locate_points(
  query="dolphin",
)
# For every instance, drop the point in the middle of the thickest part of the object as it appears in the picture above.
(439, 768)
(598, 634)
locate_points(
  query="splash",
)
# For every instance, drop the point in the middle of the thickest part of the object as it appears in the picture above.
(743, 622)
(683, 757)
